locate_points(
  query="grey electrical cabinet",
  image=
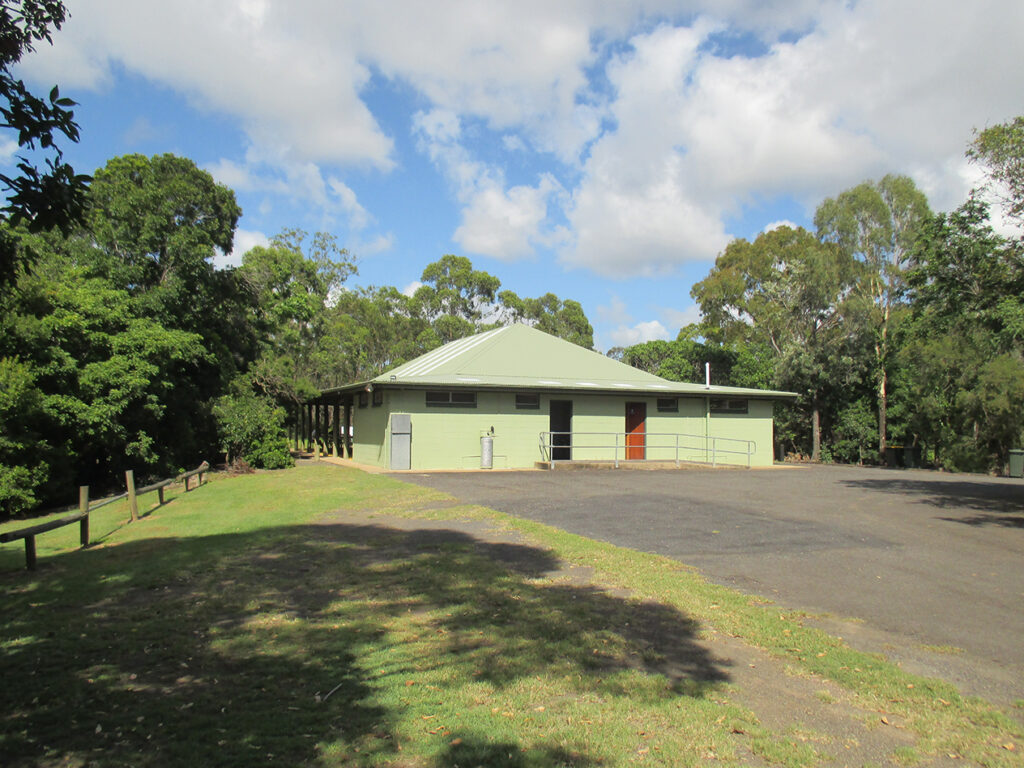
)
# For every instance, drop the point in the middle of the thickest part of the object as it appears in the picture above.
(401, 441)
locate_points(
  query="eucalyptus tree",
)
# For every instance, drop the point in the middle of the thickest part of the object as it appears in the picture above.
(562, 318)
(456, 298)
(786, 292)
(999, 150)
(295, 284)
(876, 223)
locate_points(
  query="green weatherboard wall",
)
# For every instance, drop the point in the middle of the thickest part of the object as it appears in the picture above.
(498, 364)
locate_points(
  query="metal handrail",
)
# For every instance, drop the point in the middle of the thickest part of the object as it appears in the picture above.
(710, 447)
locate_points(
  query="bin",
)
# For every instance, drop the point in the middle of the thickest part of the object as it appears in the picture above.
(912, 456)
(894, 456)
(1017, 463)
(486, 452)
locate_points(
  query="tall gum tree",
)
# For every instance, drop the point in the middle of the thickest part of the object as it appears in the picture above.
(999, 150)
(876, 223)
(786, 291)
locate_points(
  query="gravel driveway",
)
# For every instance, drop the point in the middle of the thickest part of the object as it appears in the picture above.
(925, 567)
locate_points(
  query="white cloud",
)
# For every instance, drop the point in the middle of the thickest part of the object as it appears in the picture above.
(502, 223)
(625, 336)
(614, 313)
(680, 318)
(513, 143)
(378, 244)
(779, 224)
(297, 182)
(625, 332)
(358, 218)
(291, 79)
(505, 224)
(245, 240)
(876, 87)
(656, 147)
(8, 149)
(412, 287)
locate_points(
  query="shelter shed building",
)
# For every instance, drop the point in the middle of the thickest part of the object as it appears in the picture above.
(516, 397)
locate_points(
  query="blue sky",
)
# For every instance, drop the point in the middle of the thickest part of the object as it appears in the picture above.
(603, 151)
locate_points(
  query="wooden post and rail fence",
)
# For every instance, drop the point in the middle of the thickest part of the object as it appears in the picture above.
(85, 507)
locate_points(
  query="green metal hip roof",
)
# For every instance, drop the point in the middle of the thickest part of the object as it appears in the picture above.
(518, 356)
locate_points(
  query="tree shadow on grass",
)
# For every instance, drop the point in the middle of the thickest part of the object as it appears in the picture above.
(470, 752)
(995, 503)
(287, 646)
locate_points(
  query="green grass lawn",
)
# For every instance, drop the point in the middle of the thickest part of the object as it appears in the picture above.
(249, 623)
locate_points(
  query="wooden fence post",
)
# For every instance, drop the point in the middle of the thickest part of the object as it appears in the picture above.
(160, 493)
(133, 503)
(30, 552)
(83, 507)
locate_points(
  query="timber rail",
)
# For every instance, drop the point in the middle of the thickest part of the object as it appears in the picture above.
(81, 516)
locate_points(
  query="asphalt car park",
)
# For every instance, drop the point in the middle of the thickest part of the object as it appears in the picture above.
(925, 567)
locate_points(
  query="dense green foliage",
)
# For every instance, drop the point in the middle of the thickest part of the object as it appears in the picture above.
(252, 428)
(123, 347)
(893, 325)
(54, 197)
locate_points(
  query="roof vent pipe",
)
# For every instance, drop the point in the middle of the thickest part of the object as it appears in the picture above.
(707, 375)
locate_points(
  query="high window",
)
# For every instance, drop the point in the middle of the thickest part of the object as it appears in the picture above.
(728, 405)
(451, 399)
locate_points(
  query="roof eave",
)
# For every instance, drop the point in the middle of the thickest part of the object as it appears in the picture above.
(670, 388)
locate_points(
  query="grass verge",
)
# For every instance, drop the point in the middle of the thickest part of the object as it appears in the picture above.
(247, 623)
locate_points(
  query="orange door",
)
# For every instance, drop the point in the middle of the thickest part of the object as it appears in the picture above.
(636, 428)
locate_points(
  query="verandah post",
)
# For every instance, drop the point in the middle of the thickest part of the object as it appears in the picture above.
(309, 426)
(335, 431)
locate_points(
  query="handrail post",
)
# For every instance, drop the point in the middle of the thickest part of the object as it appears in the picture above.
(83, 507)
(616, 450)
(714, 453)
(677, 450)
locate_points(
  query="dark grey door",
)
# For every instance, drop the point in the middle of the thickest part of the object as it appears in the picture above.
(401, 441)
(560, 425)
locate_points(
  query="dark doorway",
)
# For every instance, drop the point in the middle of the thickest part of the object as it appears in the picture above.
(636, 430)
(561, 430)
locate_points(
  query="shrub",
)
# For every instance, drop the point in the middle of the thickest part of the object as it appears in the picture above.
(252, 428)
